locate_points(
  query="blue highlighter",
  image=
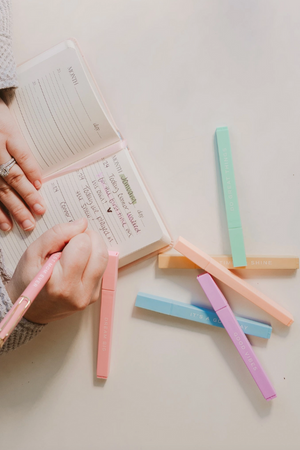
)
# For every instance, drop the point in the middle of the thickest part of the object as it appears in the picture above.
(196, 314)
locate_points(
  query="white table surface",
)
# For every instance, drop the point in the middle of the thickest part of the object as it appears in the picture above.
(172, 71)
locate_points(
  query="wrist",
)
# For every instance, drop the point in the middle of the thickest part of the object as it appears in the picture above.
(11, 291)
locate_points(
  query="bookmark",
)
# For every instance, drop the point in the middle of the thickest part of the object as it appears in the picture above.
(221, 273)
(230, 197)
(107, 306)
(196, 314)
(167, 261)
(236, 334)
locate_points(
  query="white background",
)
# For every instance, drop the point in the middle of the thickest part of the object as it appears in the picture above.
(171, 72)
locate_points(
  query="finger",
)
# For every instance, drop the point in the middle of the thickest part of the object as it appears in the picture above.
(69, 272)
(18, 180)
(96, 294)
(5, 222)
(18, 148)
(16, 207)
(75, 257)
(55, 239)
(98, 259)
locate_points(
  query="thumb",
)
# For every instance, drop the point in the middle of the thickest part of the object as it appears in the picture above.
(55, 239)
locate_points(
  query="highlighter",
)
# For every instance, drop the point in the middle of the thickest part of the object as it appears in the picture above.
(236, 334)
(220, 272)
(230, 197)
(171, 261)
(107, 306)
(197, 314)
(15, 314)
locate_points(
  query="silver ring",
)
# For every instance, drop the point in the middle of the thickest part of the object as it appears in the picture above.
(5, 168)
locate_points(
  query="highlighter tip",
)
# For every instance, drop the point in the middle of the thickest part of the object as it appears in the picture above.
(272, 397)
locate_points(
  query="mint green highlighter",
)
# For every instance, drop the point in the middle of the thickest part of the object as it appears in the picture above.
(230, 196)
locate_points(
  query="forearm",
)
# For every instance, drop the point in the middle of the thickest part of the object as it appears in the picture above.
(25, 330)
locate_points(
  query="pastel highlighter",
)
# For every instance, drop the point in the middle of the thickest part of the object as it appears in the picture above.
(236, 334)
(15, 314)
(197, 314)
(107, 306)
(230, 197)
(216, 269)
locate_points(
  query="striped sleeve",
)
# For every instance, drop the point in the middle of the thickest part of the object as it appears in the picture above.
(8, 77)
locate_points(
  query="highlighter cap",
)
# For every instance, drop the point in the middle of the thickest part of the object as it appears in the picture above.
(212, 292)
(110, 276)
(238, 247)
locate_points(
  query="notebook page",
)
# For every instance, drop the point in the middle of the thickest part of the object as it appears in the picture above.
(73, 44)
(58, 112)
(111, 196)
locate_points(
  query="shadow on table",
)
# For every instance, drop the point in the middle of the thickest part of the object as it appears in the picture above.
(227, 352)
(26, 372)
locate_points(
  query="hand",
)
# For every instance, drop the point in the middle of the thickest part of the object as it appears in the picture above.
(76, 279)
(23, 180)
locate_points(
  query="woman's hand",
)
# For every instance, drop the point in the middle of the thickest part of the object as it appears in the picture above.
(76, 279)
(23, 180)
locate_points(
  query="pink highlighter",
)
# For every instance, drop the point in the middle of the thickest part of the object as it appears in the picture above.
(107, 306)
(223, 310)
(15, 314)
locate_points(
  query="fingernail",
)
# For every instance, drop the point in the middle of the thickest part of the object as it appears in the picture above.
(78, 221)
(27, 225)
(37, 184)
(5, 226)
(39, 209)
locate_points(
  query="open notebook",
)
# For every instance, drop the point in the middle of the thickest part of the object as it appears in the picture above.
(87, 168)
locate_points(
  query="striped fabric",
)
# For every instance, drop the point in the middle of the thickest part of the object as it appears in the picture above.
(8, 76)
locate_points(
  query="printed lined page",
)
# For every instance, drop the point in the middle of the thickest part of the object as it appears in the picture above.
(58, 112)
(112, 197)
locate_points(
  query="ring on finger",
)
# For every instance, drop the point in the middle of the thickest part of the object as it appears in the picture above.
(5, 168)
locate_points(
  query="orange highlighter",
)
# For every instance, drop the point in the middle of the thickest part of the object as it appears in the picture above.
(109, 284)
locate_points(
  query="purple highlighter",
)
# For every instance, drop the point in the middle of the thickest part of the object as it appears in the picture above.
(223, 310)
